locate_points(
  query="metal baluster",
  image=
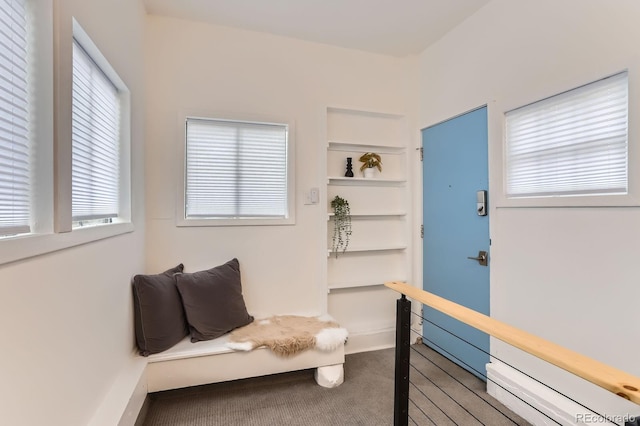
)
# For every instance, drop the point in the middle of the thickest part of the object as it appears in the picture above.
(403, 331)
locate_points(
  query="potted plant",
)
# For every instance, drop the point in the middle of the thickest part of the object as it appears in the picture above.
(341, 225)
(369, 161)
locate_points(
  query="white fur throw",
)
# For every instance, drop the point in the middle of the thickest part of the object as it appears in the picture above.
(287, 335)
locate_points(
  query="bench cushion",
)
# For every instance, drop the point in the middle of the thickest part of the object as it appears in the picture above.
(159, 316)
(213, 301)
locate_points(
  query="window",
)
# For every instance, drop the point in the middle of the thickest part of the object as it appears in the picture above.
(237, 170)
(36, 203)
(15, 147)
(574, 143)
(96, 142)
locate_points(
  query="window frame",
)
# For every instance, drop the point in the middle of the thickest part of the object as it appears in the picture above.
(630, 199)
(109, 142)
(124, 190)
(51, 203)
(183, 221)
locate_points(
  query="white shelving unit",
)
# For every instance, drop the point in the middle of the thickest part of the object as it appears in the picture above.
(378, 250)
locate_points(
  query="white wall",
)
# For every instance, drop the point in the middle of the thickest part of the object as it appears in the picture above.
(215, 71)
(66, 317)
(567, 274)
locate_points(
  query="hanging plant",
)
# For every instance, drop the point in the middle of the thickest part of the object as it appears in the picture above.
(342, 224)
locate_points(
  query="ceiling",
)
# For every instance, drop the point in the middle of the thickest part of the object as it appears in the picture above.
(388, 27)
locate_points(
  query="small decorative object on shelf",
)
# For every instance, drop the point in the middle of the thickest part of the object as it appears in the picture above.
(342, 224)
(369, 161)
(349, 172)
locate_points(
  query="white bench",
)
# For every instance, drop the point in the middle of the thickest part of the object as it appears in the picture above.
(192, 364)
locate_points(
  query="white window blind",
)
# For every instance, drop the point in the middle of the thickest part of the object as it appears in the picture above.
(574, 143)
(96, 141)
(15, 173)
(235, 169)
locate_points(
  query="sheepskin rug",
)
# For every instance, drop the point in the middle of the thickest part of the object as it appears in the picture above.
(287, 335)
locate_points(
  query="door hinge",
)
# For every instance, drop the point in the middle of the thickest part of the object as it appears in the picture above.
(421, 149)
(421, 231)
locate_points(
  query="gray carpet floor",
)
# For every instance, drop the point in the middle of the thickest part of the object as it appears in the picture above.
(365, 398)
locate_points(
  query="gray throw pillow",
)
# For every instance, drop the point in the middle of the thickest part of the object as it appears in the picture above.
(213, 301)
(159, 316)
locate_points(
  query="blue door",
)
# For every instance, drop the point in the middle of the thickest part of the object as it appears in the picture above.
(455, 168)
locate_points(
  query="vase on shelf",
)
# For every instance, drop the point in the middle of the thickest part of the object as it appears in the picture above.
(349, 172)
(370, 160)
(369, 172)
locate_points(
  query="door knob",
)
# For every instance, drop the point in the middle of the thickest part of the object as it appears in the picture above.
(482, 258)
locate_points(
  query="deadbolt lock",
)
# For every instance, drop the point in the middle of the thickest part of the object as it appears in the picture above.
(481, 203)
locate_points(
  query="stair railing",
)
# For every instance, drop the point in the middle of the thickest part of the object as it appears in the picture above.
(614, 380)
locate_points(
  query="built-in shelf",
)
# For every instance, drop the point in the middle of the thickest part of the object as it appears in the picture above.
(338, 180)
(374, 214)
(347, 287)
(369, 113)
(380, 243)
(368, 248)
(356, 284)
(364, 147)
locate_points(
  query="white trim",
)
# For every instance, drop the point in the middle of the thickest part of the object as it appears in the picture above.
(361, 110)
(124, 400)
(525, 396)
(62, 37)
(30, 245)
(628, 200)
(42, 202)
(507, 385)
(94, 52)
(181, 222)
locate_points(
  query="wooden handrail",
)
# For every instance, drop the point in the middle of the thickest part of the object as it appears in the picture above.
(617, 381)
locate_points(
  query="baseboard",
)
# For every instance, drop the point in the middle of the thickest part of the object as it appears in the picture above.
(507, 385)
(123, 402)
(136, 403)
(370, 341)
(142, 415)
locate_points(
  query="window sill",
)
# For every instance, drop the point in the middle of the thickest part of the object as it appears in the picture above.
(613, 200)
(24, 247)
(234, 222)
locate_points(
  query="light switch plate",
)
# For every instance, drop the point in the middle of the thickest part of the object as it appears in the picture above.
(315, 195)
(312, 196)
